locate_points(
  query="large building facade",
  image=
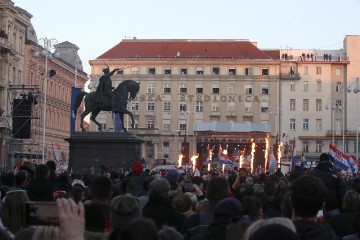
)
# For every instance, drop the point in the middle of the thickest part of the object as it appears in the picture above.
(23, 72)
(188, 81)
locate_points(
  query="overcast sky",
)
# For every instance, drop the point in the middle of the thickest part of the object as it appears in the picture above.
(96, 26)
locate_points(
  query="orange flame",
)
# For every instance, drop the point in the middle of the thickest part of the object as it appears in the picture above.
(252, 156)
(180, 160)
(223, 168)
(279, 154)
(209, 167)
(193, 160)
(225, 151)
(266, 152)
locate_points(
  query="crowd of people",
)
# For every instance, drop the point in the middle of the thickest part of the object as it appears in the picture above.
(146, 204)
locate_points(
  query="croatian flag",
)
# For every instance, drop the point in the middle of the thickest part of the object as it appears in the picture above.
(338, 158)
(293, 159)
(303, 161)
(224, 159)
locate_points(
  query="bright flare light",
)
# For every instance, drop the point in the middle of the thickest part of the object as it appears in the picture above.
(193, 160)
(266, 152)
(252, 156)
(180, 160)
(279, 154)
(223, 168)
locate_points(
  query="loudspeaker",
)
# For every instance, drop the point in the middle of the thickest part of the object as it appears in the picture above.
(185, 151)
(21, 118)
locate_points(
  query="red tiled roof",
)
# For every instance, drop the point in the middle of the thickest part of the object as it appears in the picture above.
(184, 49)
(274, 54)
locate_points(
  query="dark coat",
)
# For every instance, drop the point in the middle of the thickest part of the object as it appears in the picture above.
(310, 230)
(40, 190)
(342, 223)
(162, 213)
(335, 185)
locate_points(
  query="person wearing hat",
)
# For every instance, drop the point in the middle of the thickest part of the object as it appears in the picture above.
(335, 185)
(123, 209)
(132, 181)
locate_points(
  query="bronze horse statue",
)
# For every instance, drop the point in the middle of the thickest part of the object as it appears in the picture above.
(120, 97)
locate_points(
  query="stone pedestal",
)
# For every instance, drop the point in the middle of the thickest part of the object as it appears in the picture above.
(109, 149)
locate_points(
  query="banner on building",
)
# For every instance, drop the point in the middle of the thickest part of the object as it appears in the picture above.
(74, 93)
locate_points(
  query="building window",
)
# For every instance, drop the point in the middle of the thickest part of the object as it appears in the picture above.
(356, 145)
(318, 147)
(183, 88)
(150, 124)
(338, 87)
(318, 124)
(264, 107)
(318, 85)
(166, 144)
(215, 106)
(248, 107)
(231, 88)
(182, 107)
(248, 71)
(305, 146)
(120, 71)
(306, 70)
(306, 86)
(264, 71)
(167, 71)
(265, 89)
(199, 87)
(151, 88)
(292, 124)
(166, 125)
(305, 104)
(151, 70)
(103, 126)
(216, 70)
(134, 106)
(182, 127)
(231, 107)
(292, 86)
(232, 71)
(215, 88)
(167, 88)
(338, 71)
(135, 70)
(151, 106)
(346, 146)
(183, 71)
(167, 106)
(199, 71)
(248, 88)
(318, 104)
(292, 105)
(199, 107)
(306, 124)
(318, 70)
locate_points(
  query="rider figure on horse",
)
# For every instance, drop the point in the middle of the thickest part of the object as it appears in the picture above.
(104, 94)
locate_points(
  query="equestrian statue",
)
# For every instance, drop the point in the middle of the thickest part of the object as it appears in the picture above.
(107, 99)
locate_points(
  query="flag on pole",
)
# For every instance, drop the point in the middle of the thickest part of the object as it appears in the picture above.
(272, 164)
(303, 161)
(293, 158)
(56, 150)
(74, 93)
(338, 158)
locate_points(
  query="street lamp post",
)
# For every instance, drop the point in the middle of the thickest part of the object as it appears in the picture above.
(47, 45)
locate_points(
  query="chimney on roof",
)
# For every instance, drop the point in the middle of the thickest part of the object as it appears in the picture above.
(134, 38)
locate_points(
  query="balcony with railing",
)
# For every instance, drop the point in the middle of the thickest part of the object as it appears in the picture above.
(290, 76)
